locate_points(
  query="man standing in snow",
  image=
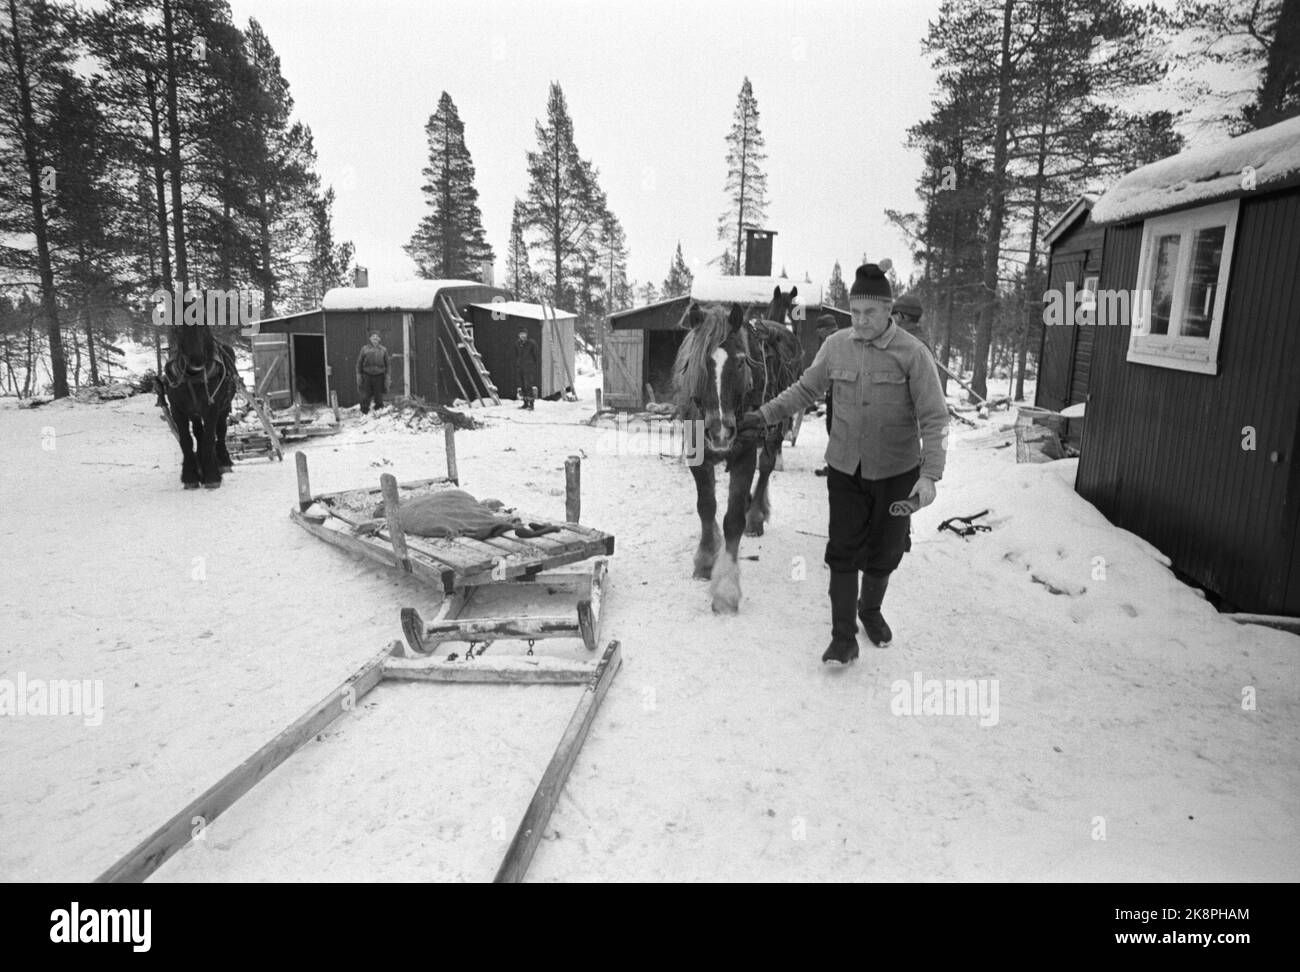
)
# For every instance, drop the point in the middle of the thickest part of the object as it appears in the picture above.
(526, 365)
(372, 373)
(886, 446)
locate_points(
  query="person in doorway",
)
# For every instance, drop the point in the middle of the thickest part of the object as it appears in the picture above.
(526, 366)
(372, 373)
(886, 447)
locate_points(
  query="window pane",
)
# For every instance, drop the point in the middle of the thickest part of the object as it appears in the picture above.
(1162, 282)
(1207, 252)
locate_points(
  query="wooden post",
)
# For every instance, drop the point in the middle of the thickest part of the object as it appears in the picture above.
(304, 486)
(396, 535)
(572, 489)
(449, 436)
(334, 404)
(529, 834)
(598, 400)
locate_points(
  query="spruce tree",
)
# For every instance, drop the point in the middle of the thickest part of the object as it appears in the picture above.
(680, 277)
(519, 272)
(746, 185)
(450, 242)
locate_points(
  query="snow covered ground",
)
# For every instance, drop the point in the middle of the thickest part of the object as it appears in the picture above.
(724, 749)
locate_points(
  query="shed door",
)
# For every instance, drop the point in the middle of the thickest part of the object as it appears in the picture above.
(1056, 369)
(557, 355)
(623, 366)
(271, 367)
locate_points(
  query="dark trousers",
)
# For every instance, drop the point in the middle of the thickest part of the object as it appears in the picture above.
(372, 386)
(863, 534)
(527, 381)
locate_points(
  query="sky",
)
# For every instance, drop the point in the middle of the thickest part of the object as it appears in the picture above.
(651, 88)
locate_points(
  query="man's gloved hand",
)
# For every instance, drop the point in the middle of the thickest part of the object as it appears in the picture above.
(923, 491)
(752, 425)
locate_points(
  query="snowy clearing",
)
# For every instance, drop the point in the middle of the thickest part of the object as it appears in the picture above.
(723, 751)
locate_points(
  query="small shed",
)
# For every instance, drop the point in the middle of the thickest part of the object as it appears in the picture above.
(1074, 262)
(642, 342)
(496, 326)
(303, 357)
(1193, 402)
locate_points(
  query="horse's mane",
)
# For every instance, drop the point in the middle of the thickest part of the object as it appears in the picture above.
(691, 367)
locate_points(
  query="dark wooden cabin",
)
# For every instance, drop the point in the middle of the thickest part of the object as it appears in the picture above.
(496, 326)
(303, 357)
(1193, 405)
(1065, 353)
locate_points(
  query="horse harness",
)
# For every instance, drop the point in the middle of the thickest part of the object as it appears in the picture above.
(213, 374)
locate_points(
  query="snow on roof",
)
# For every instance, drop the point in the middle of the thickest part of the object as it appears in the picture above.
(752, 290)
(1266, 159)
(1081, 205)
(519, 308)
(405, 295)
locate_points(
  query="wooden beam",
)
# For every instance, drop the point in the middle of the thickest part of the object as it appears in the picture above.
(589, 607)
(304, 484)
(449, 439)
(396, 532)
(521, 850)
(155, 849)
(572, 488)
(513, 669)
(491, 629)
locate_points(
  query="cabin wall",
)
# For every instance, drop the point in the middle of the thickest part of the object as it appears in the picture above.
(1065, 355)
(1162, 449)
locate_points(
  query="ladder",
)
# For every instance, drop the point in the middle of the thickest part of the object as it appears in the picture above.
(466, 343)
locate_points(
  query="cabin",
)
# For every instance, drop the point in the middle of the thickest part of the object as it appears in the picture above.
(642, 342)
(431, 328)
(1065, 353)
(1193, 385)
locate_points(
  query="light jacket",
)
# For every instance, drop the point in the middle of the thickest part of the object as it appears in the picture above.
(889, 411)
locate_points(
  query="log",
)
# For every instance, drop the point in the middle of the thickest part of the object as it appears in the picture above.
(524, 845)
(396, 532)
(155, 849)
(572, 489)
(304, 485)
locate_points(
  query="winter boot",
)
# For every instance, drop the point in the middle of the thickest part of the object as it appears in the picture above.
(844, 632)
(873, 594)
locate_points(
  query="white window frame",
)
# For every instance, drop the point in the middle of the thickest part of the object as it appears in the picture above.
(1174, 350)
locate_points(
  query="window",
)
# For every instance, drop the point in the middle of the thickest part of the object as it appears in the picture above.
(1181, 283)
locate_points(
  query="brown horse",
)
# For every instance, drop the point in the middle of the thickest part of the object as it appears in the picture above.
(197, 386)
(724, 368)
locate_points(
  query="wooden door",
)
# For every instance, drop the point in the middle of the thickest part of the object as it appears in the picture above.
(271, 368)
(623, 367)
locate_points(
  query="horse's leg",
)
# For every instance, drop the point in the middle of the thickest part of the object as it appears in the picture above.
(208, 467)
(760, 506)
(223, 454)
(706, 504)
(726, 572)
(189, 461)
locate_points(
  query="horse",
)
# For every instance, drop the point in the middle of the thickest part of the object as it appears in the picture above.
(725, 367)
(196, 388)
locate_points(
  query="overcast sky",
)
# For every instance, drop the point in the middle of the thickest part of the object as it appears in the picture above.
(651, 87)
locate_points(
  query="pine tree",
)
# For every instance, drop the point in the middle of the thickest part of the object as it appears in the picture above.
(680, 277)
(647, 293)
(450, 242)
(612, 255)
(520, 278)
(329, 264)
(746, 185)
(837, 294)
(564, 205)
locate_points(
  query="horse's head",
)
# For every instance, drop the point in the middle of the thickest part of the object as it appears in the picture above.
(713, 377)
(780, 308)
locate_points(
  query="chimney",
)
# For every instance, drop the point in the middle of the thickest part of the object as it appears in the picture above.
(360, 277)
(758, 252)
(487, 274)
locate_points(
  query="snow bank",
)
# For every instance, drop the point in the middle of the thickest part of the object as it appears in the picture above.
(403, 295)
(1266, 159)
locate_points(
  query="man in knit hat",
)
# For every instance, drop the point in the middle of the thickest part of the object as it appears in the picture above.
(886, 447)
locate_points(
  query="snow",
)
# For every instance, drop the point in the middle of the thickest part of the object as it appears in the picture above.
(1270, 157)
(519, 308)
(404, 295)
(724, 749)
(751, 290)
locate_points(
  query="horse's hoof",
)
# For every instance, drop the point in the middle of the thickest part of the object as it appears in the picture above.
(191, 485)
(227, 469)
(721, 606)
(702, 573)
(754, 531)
(211, 485)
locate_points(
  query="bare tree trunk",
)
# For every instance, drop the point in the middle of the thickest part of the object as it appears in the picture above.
(174, 148)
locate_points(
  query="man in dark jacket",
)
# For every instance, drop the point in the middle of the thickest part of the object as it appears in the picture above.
(886, 448)
(526, 366)
(372, 373)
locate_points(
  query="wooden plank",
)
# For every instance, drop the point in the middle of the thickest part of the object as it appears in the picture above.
(490, 629)
(449, 440)
(573, 489)
(529, 835)
(379, 550)
(155, 849)
(589, 607)
(558, 560)
(396, 532)
(304, 483)
(439, 670)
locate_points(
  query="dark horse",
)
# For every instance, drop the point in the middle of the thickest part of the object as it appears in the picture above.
(196, 387)
(727, 366)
